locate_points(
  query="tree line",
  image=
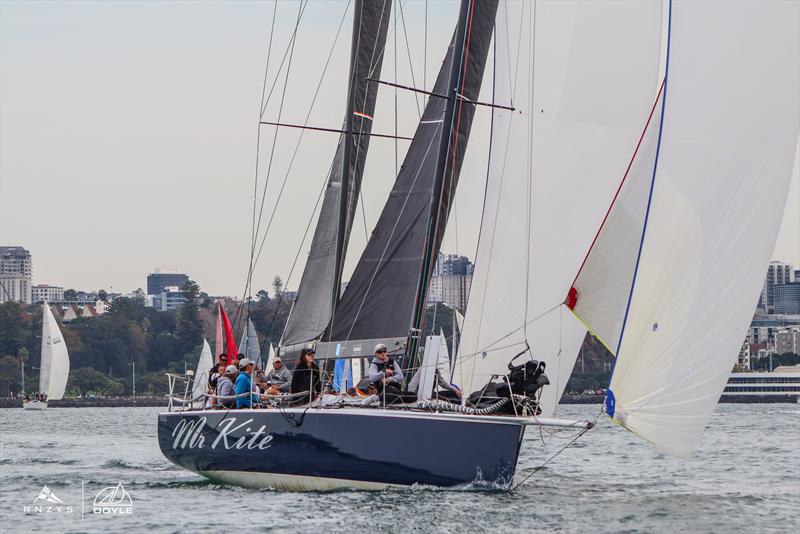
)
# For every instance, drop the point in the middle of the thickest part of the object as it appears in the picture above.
(104, 349)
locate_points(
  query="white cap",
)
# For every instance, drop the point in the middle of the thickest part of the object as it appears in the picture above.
(380, 346)
(230, 369)
(244, 362)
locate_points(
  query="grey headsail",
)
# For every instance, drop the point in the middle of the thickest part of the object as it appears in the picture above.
(391, 278)
(318, 291)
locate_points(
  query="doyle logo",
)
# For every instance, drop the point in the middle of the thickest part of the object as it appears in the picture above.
(47, 503)
(230, 434)
(113, 500)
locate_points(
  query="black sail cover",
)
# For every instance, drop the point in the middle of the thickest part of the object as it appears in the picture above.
(380, 299)
(318, 289)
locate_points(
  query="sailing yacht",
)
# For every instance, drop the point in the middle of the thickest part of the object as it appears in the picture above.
(54, 365)
(635, 148)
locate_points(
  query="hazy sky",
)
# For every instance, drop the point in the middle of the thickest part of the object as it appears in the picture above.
(128, 136)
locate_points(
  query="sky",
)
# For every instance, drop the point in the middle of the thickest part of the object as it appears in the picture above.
(128, 137)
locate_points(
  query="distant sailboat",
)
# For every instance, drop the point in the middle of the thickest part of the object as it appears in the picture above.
(248, 344)
(54, 366)
(201, 372)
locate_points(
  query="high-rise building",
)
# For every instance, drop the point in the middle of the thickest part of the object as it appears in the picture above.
(451, 281)
(171, 298)
(158, 281)
(16, 270)
(452, 264)
(787, 298)
(42, 292)
(778, 273)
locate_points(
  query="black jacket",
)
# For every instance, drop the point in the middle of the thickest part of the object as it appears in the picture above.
(304, 379)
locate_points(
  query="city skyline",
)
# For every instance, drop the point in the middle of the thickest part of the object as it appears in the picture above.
(113, 164)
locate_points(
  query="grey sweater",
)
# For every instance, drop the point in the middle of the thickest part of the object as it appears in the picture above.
(280, 377)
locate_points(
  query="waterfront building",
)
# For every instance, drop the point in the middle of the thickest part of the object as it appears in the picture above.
(781, 385)
(778, 273)
(70, 310)
(16, 271)
(42, 292)
(158, 281)
(788, 340)
(787, 298)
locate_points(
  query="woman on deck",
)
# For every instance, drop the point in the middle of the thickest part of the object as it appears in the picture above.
(306, 375)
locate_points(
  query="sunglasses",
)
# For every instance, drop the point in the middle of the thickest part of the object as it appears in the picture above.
(381, 352)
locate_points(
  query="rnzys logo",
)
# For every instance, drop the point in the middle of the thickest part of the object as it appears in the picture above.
(47, 503)
(113, 500)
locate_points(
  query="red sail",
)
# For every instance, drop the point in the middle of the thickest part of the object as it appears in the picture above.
(229, 341)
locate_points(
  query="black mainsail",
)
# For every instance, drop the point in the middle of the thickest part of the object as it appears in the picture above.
(390, 281)
(318, 291)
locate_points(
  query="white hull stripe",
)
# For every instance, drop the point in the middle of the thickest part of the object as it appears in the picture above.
(291, 482)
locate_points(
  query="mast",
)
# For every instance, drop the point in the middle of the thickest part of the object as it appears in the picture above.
(446, 166)
(381, 299)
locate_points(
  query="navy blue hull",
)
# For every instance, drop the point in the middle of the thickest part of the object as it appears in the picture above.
(372, 447)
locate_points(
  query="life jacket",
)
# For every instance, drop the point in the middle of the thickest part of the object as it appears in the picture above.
(383, 365)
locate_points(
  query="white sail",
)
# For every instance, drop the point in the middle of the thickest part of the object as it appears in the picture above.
(54, 365)
(731, 116)
(201, 372)
(248, 344)
(270, 357)
(582, 76)
(599, 294)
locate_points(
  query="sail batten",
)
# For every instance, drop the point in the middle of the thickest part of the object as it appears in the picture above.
(318, 291)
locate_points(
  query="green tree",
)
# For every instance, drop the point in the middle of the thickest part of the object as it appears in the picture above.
(277, 286)
(102, 295)
(190, 326)
(263, 295)
(87, 380)
(15, 327)
(70, 294)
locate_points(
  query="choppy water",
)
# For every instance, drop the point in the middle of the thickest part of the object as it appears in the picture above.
(745, 477)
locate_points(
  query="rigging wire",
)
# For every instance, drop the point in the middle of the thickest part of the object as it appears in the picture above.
(300, 138)
(559, 451)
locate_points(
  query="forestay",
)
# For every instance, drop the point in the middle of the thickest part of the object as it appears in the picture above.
(583, 76)
(54, 365)
(728, 140)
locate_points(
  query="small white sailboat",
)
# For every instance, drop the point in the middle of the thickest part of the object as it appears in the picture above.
(54, 366)
(205, 362)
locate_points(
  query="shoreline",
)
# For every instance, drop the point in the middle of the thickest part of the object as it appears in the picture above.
(128, 402)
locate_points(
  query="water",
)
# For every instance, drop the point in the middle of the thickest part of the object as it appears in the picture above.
(745, 477)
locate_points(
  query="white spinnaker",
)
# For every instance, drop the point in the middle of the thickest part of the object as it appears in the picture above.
(201, 372)
(555, 165)
(54, 364)
(602, 287)
(730, 129)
